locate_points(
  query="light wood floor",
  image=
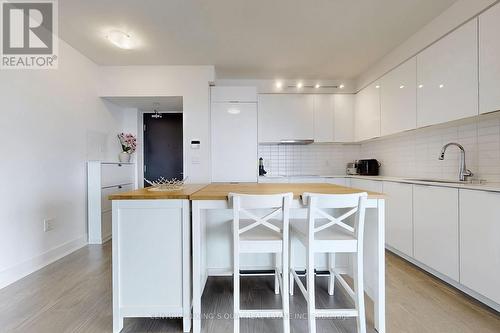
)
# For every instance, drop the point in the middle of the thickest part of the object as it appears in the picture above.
(74, 295)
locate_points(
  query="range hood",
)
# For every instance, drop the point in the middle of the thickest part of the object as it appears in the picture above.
(296, 142)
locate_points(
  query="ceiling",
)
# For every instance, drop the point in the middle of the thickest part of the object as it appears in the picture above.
(148, 103)
(260, 39)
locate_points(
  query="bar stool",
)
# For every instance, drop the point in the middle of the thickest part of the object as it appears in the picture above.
(267, 234)
(323, 233)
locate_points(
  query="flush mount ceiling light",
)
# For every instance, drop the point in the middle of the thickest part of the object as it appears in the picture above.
(299, 85)
(317, 86)
(377, 86)
(441, 85)
(401, 86)
(420, 86)
(341, 86)
(279, 84)
(120, 39)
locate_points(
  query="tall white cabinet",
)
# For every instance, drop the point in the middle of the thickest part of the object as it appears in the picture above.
(367, 113)
(489, 63)
(447, 78)
(234, 134)
(398, 99)
(104, 179)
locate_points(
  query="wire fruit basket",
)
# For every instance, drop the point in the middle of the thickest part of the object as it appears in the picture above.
(165, 185)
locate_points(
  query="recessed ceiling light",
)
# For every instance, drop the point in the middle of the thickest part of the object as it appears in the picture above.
(377, 86)
(341, 86)
(441, 85)
(317, 86)
(120, 39)
(299, 85)
(279, 84)
(420, 86)
(401, 86)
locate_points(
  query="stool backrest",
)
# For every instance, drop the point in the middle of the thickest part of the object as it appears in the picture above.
(317, 203)
(245, 205)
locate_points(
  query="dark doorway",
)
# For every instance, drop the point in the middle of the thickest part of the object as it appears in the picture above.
(163, 155)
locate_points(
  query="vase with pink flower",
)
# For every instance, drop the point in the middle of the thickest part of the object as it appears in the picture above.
(129, 145)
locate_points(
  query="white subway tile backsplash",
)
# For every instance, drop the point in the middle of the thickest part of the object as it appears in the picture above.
(412, 154)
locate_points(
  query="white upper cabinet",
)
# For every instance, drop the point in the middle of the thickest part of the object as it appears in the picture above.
(234, 94)
(367, 113)
(343, 122)
(324, 113)
(447, 78)
(398, 99)
(489, 60)
(286, 117)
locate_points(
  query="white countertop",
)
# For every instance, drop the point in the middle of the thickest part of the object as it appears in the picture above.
(486, 186)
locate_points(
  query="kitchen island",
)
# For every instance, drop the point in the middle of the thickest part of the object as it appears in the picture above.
(151, 247)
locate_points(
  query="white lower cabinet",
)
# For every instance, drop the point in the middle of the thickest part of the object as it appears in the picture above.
(338, 181)
(399, 217)
(480, 242)
(435, 219)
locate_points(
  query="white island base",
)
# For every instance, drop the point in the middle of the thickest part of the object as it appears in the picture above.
(151, 260)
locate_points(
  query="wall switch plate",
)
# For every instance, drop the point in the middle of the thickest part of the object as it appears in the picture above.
(48, 224)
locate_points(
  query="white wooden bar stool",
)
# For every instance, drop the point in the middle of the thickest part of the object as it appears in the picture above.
(323, 233)
(267, 234)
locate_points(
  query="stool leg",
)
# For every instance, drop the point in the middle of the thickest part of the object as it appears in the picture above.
(311, 300)
(236, 289)
(360, 293)
(290, 258)
(331, 280)
(284, 295)
(277, 265)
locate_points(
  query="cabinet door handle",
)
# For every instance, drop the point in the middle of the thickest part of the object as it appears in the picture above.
(119, 164)
(119, 186)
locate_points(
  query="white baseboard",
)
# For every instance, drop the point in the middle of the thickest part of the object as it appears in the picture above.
(23, 269)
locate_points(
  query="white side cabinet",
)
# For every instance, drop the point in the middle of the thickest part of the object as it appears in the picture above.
(367, 113)
(104, 179)
(435, 219)
(399, 217)
(398, 99)
(489, 62)
(447, 78)
(480, 242)
(286, 117)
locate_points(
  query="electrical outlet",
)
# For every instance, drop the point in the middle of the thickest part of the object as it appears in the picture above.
(48, 224)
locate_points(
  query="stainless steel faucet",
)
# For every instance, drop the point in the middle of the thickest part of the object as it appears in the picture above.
(463, 172)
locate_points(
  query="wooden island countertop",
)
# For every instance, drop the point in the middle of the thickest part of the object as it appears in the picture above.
(145, 194)
(220, 191)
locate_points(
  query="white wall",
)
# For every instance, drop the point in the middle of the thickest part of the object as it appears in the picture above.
(458, 13)
(51, 122)
(190, 82)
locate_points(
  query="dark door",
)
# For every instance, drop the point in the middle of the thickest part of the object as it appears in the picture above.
(163, 146)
